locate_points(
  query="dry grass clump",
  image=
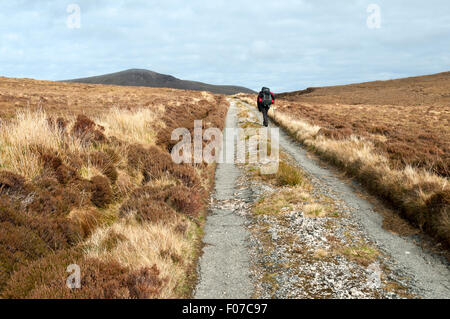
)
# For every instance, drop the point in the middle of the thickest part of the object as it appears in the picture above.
(87, 218)
(286, 175)
(289, 199)
(27, 129)
(100, 191)
(133, 126)
(362, 254)
(278, 202)
(321, 253)
(138, 245)
(314, 210)
(103, 163)
(126, 183)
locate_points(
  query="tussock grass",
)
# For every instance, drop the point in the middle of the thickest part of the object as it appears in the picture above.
(125, 183)
(133, 126)
(90, 171)
(287, 175)
(31, 129)
(139, 245)
(87, 218)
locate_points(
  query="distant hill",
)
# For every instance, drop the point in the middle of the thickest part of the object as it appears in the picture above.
(420, 90)
(138, 77)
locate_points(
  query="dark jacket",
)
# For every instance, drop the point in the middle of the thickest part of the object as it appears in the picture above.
(259, 100)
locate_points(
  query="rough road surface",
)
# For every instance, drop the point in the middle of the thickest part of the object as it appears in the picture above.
(224, 268)
(342, 253)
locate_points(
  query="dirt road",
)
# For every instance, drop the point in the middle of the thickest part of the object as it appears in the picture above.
(224, 268)
(342, 253)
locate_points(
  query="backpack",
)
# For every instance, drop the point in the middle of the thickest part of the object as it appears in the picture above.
(266, 97)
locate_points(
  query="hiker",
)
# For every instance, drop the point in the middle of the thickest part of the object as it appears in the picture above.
(265, 100)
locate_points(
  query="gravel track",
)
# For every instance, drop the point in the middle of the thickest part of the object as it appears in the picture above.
(224, 268)
(276, 256)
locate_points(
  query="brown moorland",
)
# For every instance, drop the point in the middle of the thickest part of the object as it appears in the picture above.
(394, 136)
(86, 178)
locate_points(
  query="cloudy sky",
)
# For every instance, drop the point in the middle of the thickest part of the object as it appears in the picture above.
(286, 45)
